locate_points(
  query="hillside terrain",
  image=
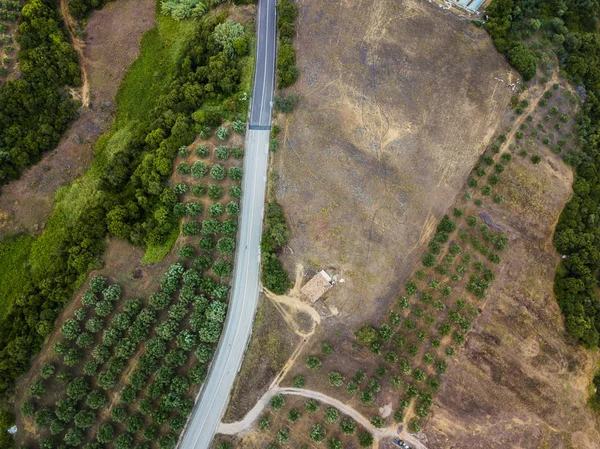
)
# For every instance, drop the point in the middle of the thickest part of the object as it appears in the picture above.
(380, 146)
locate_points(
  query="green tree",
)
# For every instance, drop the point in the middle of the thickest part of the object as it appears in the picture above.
(37, 389)
(74, 437)
(348, 426)
(217, 172)
(365, 439)
(294, 415)
(105, 433)
(317, 433)
(277, 402)
(331, 415)
(336, 379)
(313, 363)
(299, 381)
(85, 419)
(366, 334)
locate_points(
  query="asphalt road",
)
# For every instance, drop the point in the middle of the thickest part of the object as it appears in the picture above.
(213, 399)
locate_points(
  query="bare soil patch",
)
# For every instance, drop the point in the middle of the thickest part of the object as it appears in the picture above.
(111, 45)
(388, 126)
(271, 345)
(520, 380)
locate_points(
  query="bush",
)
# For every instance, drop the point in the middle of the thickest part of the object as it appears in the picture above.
(264, 424)
(226, 245)
(105, 433)
(294, 415)
(298, 381)
(311, 406)
(331, 415)
(277, 402)
(199, 169)
(222, 153)
(313, 363)
(285, 104)
(365, 439)
(217, 172)
(336, 379)
(317, 433)
(190, 229)
(235, 173)
(223, 133)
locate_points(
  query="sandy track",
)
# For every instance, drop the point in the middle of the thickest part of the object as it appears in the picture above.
(242, 427)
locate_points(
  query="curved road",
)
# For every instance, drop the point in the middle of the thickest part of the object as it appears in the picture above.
(214, 396)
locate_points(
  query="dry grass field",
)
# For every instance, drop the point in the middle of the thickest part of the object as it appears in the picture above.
(398, 99)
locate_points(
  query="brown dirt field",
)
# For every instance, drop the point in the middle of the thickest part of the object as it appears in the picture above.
(112, 44)
(521, 381)
(387, 129)
(271, 345)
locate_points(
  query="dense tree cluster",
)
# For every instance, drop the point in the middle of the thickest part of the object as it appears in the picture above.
(275, 236)
(287, 72)
(34, 109)
(571, 27)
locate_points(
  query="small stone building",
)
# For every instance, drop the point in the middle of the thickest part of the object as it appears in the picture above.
(317, 286)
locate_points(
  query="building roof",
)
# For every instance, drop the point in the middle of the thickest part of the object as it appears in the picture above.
(317, 286)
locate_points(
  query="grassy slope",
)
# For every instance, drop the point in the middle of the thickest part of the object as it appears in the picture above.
(148, 76)
(13, 254)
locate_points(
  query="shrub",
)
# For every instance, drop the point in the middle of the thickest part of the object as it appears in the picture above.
(285, 104)
(265, 423)
(105, 433)
(331, 415)
(367, 397)
(317, 433)
(414, 425)
(294, 415)
(232, 209)
(190, 229)
(226, 245)
(313, 363)
(311, 406)
(239, 126)
(428, 260)
(336, 379)
(235, 192)
(365, 439)
(217, 172)
(366, 334)
(222, 153)
(277, 402)
(186, 252)
(183, 168)
(199, 169)
(298, 381)
(96, 399)
(223, 133)
(235, 173)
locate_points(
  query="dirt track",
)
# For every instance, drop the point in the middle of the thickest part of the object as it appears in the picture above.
(79, 46)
